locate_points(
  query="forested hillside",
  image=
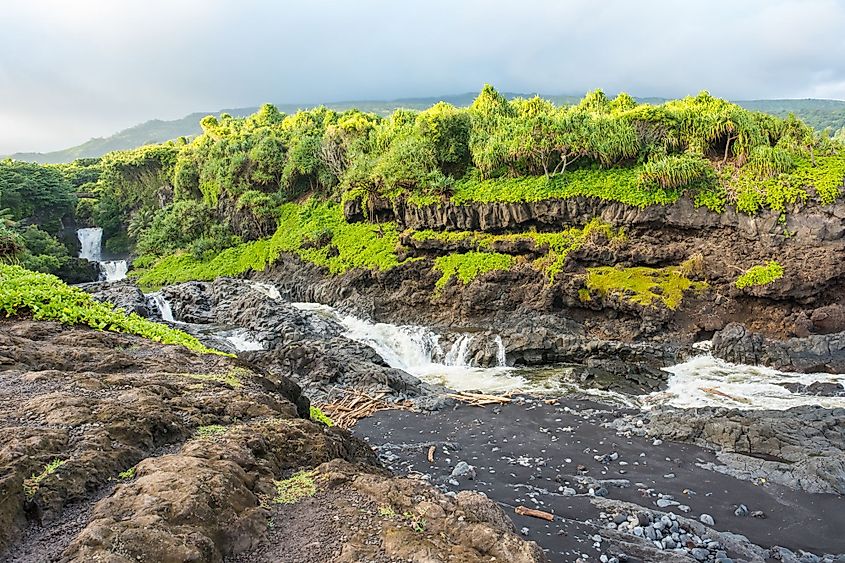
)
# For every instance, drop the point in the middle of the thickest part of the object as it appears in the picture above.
(247, 190)
(820, 114)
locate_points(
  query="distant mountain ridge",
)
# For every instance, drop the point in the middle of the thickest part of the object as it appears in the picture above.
(819, 113)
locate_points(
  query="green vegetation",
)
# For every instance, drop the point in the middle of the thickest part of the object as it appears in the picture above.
(246, 190)
(232, 377)
(33, 201)
(315, 231)
(641, 285)
(554, 246)
(210, 432)
(30, 486)
(295, 488)
(760, 275)
(46, 297)
(319, 416)
(468, 266)
(128, 475)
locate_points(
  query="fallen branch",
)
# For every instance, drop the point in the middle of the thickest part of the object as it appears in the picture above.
(525, 511)
(355, 405)
(714, 391)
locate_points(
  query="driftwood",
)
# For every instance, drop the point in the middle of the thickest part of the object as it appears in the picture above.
(525, 511)
(355, 405)
(479, 399)
(714, 391)
(431, 451)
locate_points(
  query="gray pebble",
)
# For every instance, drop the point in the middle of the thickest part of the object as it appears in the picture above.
(706, 519)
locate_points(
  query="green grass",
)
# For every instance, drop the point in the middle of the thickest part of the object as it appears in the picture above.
(750, 191)
(128, 474)
(555, 246)
(641, 285)
(232, 378)
(210, 432)
(615, 184)
(825, 181)
(301, 228)
(46, 298)
(319, 416)
(469, 265)
(760, 275)
(295, 488)
(30, 486)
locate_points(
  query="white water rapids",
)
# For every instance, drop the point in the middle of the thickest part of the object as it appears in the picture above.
(700, 381)
(708, 381)
(417, 350)
(91, 248)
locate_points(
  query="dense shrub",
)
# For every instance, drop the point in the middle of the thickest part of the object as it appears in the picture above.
(46, 297)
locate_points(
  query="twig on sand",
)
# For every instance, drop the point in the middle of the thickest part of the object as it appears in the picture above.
(525, 511)
(479, 399)
(355, 405)
(431, 450)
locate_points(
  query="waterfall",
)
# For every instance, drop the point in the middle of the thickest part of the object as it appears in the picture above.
(114, 270)
(243, 341)
(416, 350)
(91, 243)
(91, 249)
(501, 357)
(164, 310)
(459, 352)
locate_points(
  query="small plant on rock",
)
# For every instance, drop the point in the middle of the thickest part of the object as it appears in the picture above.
(30, 486)
(318, 415)
(760, 275)
(295, 488)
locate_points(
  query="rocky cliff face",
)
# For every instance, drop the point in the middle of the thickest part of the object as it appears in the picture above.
(808, 300)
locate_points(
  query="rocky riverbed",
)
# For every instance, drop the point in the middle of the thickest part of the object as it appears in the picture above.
(614, 490)
(647, 451)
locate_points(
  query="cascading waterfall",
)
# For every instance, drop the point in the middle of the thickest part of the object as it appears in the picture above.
(417, 350)
(501, 356)
(91, 243)
(164, 310)
(91, 249)
(459, 352)
(705, 380)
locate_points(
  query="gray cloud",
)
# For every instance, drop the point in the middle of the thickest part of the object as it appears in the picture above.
(72, 70)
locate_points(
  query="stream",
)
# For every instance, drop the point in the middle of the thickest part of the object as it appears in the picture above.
(702, 380)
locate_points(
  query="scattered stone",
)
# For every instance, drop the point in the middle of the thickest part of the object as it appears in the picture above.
(741, 511)
(707, 520)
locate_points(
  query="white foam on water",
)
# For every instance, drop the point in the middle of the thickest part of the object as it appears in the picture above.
(267, 289)
(114, 270)
(708, 381)
(416, 350)
(243, 341)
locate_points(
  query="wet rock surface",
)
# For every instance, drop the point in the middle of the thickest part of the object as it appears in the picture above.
(815, 353)
(567, 460)
(119, 449)
(801, 448)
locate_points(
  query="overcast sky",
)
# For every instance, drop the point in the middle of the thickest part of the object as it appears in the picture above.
(71, 70)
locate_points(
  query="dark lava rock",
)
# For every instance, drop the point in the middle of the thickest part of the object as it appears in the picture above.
(815, 353)
(123, 294)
